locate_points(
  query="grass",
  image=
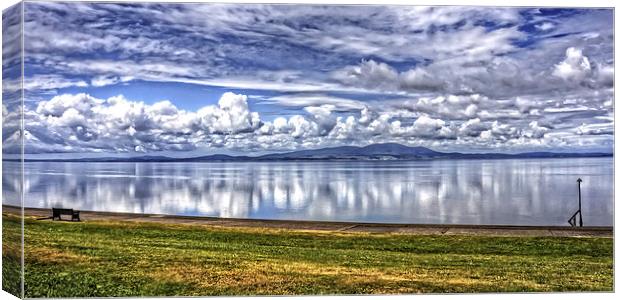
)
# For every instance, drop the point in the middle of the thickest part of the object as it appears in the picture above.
(106, 258)
(11, 256)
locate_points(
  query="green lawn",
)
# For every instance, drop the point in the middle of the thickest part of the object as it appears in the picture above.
(84, 259)
(11, 255)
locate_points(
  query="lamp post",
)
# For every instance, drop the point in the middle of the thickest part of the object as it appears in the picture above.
(573, 220)
(579, 188)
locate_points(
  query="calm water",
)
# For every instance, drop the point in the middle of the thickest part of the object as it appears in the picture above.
(520, 192)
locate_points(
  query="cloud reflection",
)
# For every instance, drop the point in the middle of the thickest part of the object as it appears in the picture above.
(527, 192)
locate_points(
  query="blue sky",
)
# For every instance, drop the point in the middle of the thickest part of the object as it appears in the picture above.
(191, 79)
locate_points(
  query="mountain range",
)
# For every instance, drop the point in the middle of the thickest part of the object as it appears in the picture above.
(387, 151)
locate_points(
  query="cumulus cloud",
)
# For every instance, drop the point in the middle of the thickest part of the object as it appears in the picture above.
(605, 75)
(323, 116)
(473, 127)
(83, 123)
(11, 125)
(595, 129)
(423, 127)
(301, 128)
(369, 74)
(420, 79)
(537, 131)
(503, 132)
(575, 67)
(453, 107)
(346, 129)
(59, 104)
(232, 115)
(86, 123)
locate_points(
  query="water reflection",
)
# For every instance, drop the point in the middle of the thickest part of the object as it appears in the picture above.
(541, 191)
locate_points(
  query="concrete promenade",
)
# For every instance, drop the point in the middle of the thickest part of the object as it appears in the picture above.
(427, 229)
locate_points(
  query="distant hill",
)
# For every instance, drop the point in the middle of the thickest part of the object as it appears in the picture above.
(387, 151)
(371, 152)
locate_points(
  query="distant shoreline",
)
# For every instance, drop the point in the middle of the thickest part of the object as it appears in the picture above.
(186, 160)
(373, 152)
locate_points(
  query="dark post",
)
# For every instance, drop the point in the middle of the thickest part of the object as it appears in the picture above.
(579, 188)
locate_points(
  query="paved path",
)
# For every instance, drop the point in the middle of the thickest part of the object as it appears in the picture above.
(484, 230)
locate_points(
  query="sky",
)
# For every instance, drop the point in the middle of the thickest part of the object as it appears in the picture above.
(191, 79)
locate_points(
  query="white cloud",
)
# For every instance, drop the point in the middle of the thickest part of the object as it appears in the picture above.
(59, 104)
(369, 74)
(365, 115)
(118, 124)
(451, 107)
(82, 123)
(427, 127)
(472, 127)
(280, 125)
(304, 100)
(379, 125)
(545, 26)
(104, 80)
(50, 81)
(595, 129)
(301, 128)
(232, 115)
(423, 127)
(537, 131)
(323, 116)
(504, 132)
(575, 67)
(420, 79)
(605, 75)
(345, 130)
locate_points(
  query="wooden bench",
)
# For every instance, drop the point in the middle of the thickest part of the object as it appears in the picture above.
(57, 212)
